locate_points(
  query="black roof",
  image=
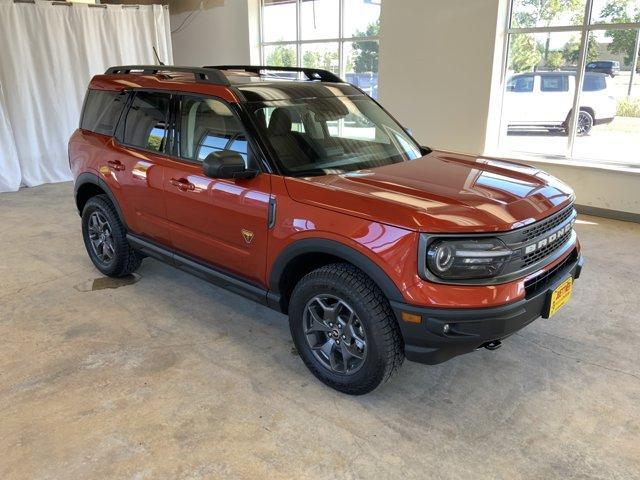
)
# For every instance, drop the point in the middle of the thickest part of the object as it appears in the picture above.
(228, 75)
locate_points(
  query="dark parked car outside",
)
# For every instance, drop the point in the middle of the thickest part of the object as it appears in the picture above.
(609, 67)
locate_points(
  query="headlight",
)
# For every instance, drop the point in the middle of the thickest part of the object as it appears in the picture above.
(461, 259)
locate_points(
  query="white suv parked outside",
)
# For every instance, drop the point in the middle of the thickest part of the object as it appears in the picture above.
(544, 100)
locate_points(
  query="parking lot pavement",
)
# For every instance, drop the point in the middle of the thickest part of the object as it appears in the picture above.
(617, 143)
(619, 85)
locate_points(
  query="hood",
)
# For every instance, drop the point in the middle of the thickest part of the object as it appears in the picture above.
(440, 192)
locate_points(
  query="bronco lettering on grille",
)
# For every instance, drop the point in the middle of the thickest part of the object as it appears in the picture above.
(558, 234)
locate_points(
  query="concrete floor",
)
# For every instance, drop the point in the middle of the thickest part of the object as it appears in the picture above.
(173, 378)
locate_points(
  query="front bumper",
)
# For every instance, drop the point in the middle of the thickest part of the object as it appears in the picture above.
(469, 329)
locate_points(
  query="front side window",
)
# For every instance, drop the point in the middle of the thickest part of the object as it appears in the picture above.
(318, 136)
(208, 125)
(145, 125)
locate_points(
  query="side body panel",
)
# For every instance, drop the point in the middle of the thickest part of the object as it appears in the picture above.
(133, 177)
(140, 178)
(219, 221)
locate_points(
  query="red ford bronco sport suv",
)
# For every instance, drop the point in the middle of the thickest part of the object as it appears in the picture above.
(299, 191)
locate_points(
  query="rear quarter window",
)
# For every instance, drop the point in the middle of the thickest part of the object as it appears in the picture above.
(594, 83)
(102, 109)
(523, 83)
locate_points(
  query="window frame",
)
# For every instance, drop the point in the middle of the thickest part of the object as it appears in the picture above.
(584, 29)
(298, 43)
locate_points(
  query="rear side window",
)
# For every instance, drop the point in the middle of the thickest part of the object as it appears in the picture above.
(554, 83)
(102, 109)
(594, 83)
(145, 125)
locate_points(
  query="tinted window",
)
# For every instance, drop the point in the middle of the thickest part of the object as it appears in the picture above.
(554, 83)
(521, 84)
(593, 83)
(208, 125)
(102, 110)
(145, 125)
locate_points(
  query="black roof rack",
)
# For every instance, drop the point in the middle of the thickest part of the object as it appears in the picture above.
(205, 74)
(311, 73)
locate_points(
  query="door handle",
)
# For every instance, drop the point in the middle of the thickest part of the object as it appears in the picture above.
(116, 165)
(183, 184)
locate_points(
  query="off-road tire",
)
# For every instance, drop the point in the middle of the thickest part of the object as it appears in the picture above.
(125, 259)
(385, 350)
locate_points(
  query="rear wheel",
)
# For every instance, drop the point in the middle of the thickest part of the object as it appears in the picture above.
(585, 123)
(105, 238)
(344, 329)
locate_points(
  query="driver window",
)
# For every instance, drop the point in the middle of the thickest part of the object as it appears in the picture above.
(208, 125)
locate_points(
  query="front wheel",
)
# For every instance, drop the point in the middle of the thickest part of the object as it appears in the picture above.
(344, 329)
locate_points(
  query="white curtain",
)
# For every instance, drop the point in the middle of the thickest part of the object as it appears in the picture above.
(48, 53)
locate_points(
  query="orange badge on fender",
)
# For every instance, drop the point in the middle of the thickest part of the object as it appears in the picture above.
(247, 235)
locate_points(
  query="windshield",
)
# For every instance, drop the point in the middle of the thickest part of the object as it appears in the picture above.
(329, 135)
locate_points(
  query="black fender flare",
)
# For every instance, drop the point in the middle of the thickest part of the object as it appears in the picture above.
(92, 178)
(337, 249)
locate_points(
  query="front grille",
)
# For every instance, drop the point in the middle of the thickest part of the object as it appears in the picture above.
(533, 247)
(538, 255)
(536, 284)
(543, 226)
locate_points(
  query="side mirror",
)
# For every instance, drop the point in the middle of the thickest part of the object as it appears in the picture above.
(226, 164)
(425, 150)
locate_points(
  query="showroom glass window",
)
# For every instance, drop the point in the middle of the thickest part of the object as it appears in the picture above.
(573, 55)
(336, 35)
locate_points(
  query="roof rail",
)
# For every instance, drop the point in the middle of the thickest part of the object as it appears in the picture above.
(311, 73)
(204, 75)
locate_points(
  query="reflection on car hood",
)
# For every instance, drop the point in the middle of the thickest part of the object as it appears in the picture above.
(440, 192)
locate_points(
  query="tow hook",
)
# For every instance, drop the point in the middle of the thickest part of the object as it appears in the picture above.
(492, 345)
